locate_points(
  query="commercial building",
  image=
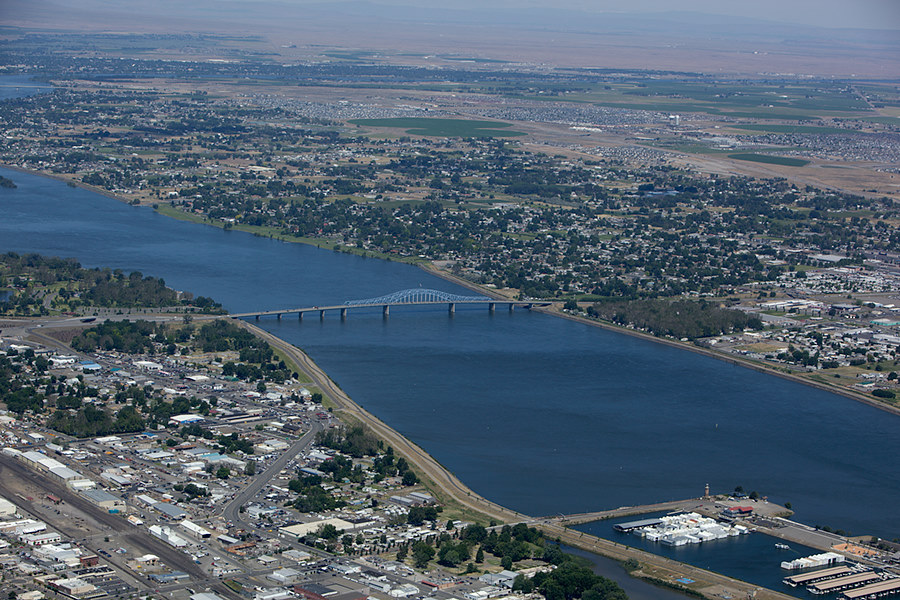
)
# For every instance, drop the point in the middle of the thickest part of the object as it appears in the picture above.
(104, 500)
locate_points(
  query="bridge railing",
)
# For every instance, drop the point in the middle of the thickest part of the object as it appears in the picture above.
(417, 296)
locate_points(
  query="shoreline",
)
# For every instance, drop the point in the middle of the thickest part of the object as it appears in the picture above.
(735, 360)
(445, 481)
(430, 267)
(654, 569)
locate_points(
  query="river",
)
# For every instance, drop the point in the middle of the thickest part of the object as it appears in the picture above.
(541, 414)
(17, 86)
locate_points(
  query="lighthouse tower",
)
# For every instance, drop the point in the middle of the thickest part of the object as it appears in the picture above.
(706, 492)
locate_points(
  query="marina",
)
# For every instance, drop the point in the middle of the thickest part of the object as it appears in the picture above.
(882, 589)
(687, 528)
(815, 560)
(816, 576)
(751, 558)
(842, 583)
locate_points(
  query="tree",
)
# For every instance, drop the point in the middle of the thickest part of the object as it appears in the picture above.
(250, 469)
(479, 556)
(223, 473)
(409, 478)
(422, 554)
(328, 532)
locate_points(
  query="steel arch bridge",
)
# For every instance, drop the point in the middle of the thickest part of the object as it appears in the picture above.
(411, 297)
(419, 296)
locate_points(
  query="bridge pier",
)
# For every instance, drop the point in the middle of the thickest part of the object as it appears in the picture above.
(279, 316)
(512, 307)
(321, 314)
(343, 313)
(452, 308)
(385, 310)
(300, 315)
(256, 317)
(491, 307)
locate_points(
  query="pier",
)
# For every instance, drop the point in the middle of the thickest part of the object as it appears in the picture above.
(882, 589)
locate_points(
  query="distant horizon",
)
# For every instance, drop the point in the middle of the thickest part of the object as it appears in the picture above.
(803, 37)
(836, 14)
(833, 14)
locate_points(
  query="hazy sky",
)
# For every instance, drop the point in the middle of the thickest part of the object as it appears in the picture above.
(880, 14)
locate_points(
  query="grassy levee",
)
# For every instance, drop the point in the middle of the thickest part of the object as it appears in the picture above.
(446, 486)
(460, 500)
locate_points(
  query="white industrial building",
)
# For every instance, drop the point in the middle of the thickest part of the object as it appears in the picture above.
(168, 536)
(195, 530)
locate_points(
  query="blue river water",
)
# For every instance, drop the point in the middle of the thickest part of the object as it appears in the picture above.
(752, 557)
(17, 86)
(538, 413)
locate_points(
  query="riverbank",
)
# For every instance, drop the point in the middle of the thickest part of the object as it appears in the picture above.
(654, 569)
(434, 269)
(557, 311)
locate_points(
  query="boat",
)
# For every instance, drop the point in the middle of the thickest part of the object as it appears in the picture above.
(782, 546)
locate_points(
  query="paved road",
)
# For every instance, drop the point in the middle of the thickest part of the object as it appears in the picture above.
(231, 512)
(442, 479)
(623, 511)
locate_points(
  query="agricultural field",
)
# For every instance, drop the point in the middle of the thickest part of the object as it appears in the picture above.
(775, 100)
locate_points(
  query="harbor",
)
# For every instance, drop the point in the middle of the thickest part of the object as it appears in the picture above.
(752, 549)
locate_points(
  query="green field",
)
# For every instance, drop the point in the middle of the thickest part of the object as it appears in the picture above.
(785, 100)
(771, 160)
(442, 127)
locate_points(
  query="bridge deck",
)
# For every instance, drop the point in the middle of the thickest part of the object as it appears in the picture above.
(346, 308)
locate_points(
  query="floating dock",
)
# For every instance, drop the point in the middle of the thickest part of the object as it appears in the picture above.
(842, 583)
(888, 587)
(632, 525)
(816, 576)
